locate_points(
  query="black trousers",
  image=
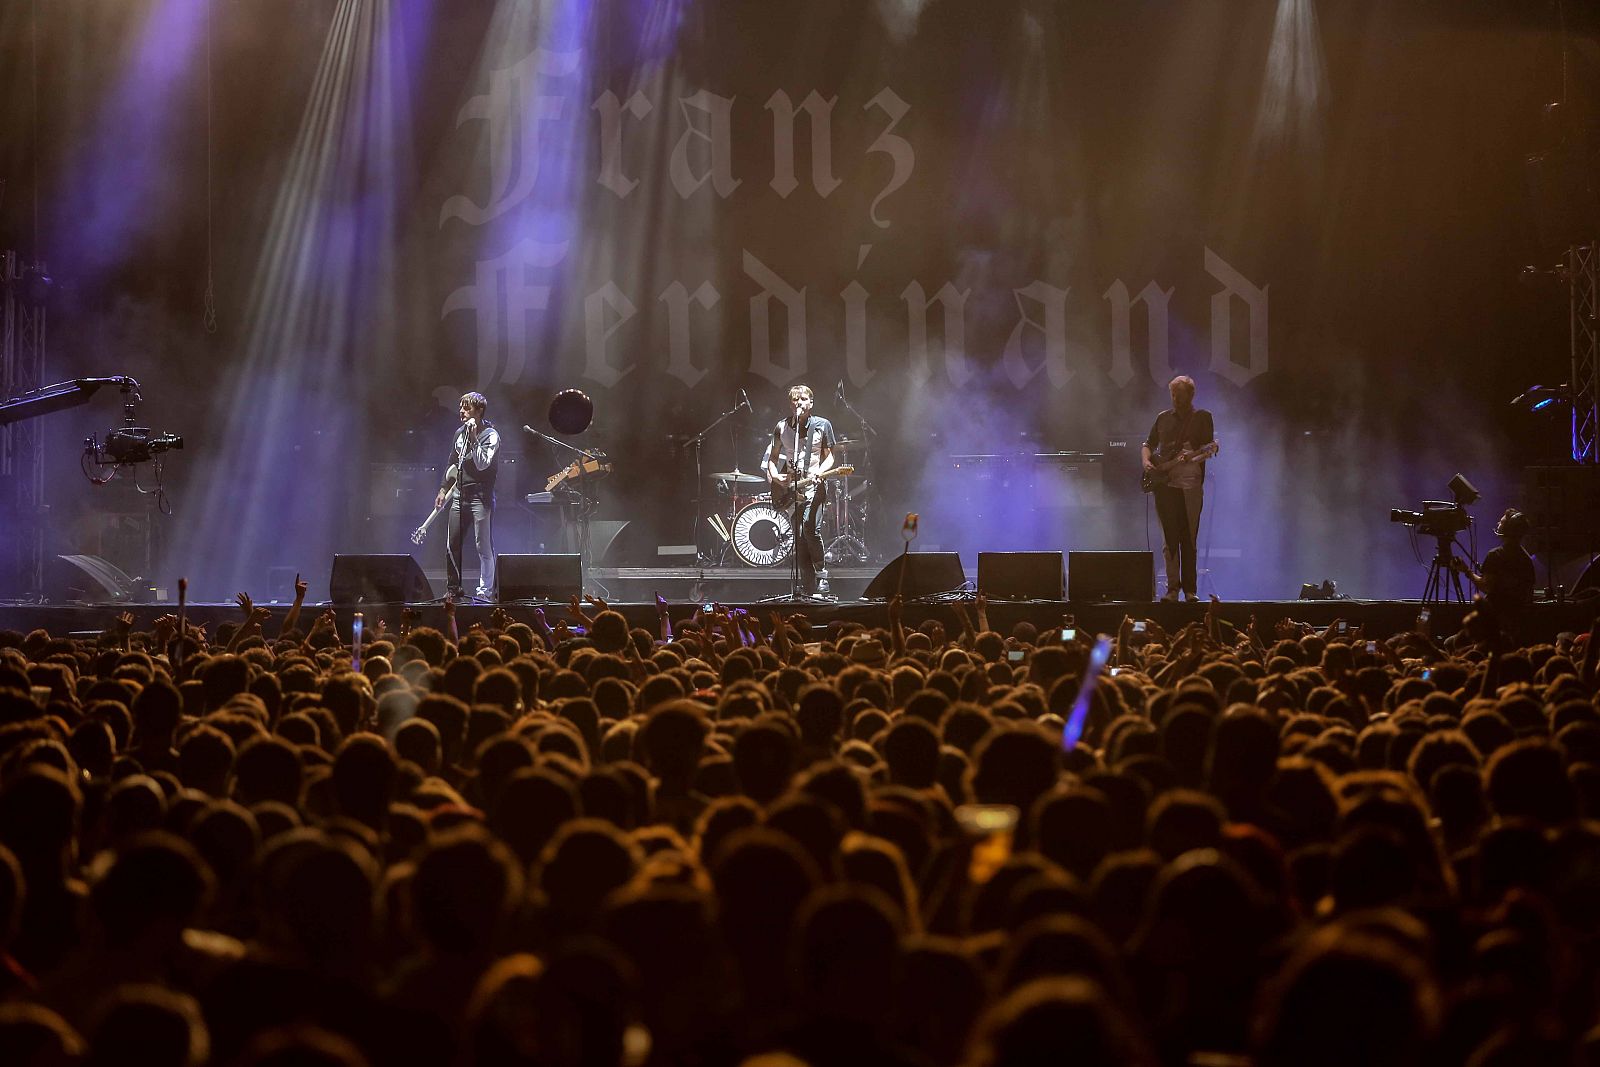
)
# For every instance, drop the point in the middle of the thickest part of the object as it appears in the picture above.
(471, 512)
(1179, 512)
(808, 548)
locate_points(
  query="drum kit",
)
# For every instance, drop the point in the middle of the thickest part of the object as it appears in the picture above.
(762, 535)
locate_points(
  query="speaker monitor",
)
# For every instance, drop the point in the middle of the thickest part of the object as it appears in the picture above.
(549, 576)
(926, 573)
(88, 579)
(1020, 575)
(1563, 508)
(1103, 576)
(389, 578)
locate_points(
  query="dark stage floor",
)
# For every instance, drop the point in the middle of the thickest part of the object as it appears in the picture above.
(1381, 618)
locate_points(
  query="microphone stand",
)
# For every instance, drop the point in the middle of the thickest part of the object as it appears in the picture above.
(586, 503)
(698, 440)
(860, 547)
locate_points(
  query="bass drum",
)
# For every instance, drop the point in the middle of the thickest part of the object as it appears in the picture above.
(762, 535)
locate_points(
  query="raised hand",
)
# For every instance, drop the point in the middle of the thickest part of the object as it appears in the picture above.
(596, 602)
(300, 587)
(380, 630)
(246, 605)
(575, 610)
(500, 618)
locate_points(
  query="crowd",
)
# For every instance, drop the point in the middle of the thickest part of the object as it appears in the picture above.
(748, 841)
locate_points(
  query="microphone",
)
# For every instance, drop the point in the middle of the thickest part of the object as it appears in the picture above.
(745, 399)
(528, 429)
(838, 390)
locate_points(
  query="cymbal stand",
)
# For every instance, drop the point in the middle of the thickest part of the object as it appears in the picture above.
(698, 441)
(851, 541)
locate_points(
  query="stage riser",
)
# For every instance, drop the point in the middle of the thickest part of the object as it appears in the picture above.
(1380, 618)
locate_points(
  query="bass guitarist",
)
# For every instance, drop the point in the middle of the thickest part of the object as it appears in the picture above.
(801, 451)
(1175, 471)
(474, 460)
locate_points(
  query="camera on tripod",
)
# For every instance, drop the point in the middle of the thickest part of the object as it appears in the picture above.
(1438, 518)
(1442, 520)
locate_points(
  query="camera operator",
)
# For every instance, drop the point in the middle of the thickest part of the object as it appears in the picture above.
(1507, 576)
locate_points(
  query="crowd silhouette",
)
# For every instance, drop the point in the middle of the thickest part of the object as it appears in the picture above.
(741, 840)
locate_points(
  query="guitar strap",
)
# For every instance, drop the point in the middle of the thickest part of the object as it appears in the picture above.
(1183, 431)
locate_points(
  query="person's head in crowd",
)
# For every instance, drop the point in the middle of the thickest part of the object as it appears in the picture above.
(1067, 1019)
(1347, 997)
(143, 1025)
(463, 892)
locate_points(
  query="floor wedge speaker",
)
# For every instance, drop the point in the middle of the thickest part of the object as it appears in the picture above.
(546, 576)
(378, 579)
(925, 573)
(1103, 576)
(1020, 575)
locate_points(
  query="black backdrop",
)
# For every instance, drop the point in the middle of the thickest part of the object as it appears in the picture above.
(394, 202)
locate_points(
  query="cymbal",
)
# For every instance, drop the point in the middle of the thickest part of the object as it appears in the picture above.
(851, 442)
(736, 476)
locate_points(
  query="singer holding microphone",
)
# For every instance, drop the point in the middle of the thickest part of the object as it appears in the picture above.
(802, 447)
(475, 456)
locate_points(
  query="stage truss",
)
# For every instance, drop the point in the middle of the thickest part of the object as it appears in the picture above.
(1583, 279)
(23, 326)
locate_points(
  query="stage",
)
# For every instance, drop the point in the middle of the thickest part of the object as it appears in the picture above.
(1379, 618)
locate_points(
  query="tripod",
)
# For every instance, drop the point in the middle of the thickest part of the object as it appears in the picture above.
(1444, 575)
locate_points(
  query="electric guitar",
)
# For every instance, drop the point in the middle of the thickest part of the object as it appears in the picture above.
(420, 534)
(1157, 475)
(784, 492)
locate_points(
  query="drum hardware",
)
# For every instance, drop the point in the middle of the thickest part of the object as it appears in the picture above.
(571, 413)
(733, 477)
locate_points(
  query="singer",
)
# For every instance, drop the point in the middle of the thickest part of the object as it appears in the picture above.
(475, 455)
(802, 448)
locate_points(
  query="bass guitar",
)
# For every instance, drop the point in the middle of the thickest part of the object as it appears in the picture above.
(784, 492)
(420, 534)
(1158, 474)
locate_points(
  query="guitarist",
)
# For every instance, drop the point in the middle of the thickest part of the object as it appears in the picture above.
(474, 456)
(1181, 429)
(802, 447)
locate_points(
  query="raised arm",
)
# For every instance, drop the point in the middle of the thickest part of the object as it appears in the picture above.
(291, 620)
(663, 617)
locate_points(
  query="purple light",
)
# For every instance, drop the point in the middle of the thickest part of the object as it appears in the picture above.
(1080, 707)
(117, 183)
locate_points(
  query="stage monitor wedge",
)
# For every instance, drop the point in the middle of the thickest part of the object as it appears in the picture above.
(926, 573)
(1021, 575)
(556, 576)
(378, 578)
(1099, 577)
